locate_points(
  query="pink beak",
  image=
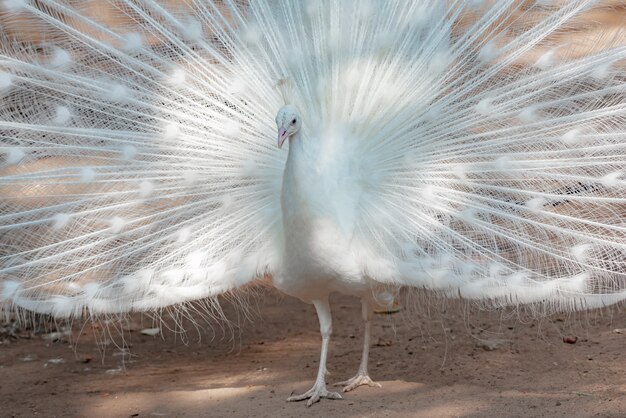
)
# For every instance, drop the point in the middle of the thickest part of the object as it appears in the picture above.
(282, 136)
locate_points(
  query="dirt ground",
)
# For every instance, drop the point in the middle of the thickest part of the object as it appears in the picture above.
(446, 363)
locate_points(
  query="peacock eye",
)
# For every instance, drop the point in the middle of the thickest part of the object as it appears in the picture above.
(293, 122)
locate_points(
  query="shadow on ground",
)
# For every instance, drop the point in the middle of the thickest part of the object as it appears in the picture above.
(442, 362)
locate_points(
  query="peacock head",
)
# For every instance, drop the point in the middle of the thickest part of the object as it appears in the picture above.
(288, 122)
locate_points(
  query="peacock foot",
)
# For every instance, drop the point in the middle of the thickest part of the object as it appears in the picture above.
(356, 381)
(317, 392)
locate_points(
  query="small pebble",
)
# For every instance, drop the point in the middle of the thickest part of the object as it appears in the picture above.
(488, 345)
(570, 340)
(151, 331)
(383, 342)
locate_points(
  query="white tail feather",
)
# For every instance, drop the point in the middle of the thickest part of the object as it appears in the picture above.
(138, 170)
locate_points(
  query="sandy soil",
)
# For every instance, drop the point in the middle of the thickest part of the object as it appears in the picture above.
(445, 364)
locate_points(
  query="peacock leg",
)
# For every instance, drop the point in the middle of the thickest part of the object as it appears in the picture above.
(319, 390)
(362, 376)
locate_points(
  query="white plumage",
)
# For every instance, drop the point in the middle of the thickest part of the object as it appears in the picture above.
(473, 148)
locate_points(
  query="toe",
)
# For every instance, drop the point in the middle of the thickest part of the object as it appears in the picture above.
(296, 398)
(313, 399)
(350, 387)
(357, 381)
(333, 395)
(314, 395)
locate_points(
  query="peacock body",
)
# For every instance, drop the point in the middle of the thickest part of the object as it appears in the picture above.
(476, 149)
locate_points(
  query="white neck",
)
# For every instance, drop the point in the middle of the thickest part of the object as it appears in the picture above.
(296, 145)
(297, 170)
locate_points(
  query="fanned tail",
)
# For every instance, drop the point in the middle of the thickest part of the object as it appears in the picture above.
(484, 143)
(509, 187)
(139, 169)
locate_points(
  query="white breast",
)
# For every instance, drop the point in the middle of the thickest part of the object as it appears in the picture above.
(319, 201)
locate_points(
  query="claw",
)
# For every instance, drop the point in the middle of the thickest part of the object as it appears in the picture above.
(356, 381)
(317, 392)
